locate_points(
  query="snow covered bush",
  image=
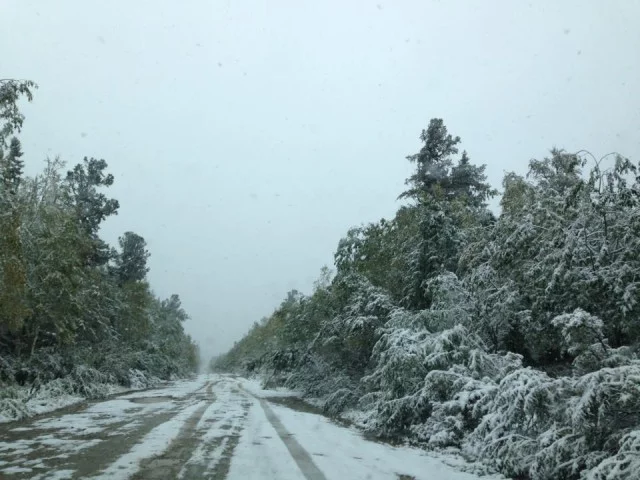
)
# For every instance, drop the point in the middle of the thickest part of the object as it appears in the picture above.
(459, 387)
(544, 428)
(521, 408)
(138, 380)
(337, 402)
(601, 410)
(13, 403)
(347, 339)
(90, 383)
(451, 302)
(82, 382)
(331, 388)
(624, 465)
(430, 384)
(399, 355)
(584, 339)
(580, 330)
(7, 369)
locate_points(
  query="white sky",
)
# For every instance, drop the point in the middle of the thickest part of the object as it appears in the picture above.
(246, 137)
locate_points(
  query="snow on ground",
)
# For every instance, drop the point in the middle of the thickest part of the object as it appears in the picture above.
(46, 404)
(177, 389)
(212, 427)
(343, 453)
(98, 416)
(222, 418)
(21, 406)
(254, 386)
(261, 454)
(57, 475)
(46, 401)
(62, 435)
(154, 443)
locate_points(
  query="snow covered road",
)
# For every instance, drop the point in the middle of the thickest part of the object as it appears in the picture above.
(214, 427)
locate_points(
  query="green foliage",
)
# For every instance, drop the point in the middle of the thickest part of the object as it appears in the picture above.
(131, 263)
(75, 315)
(11, 119)
(13, 287)
(91, 206)
(438, 177)
(450, 198)
(13, 308)
(514, 337)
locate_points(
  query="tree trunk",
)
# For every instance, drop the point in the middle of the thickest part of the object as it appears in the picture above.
(33, 344)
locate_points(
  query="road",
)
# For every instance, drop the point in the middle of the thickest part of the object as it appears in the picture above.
(213, 427)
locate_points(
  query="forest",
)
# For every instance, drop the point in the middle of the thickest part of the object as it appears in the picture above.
(77, 316)
(511, 338)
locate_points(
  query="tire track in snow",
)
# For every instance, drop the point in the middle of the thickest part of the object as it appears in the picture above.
(170, 462)
(302, 458)
(219, 436)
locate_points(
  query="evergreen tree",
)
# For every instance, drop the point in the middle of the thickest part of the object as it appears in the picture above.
(92, 207)
(449, 197)
(13, 307)
(131, 263)
(11, 119)
(12, 167)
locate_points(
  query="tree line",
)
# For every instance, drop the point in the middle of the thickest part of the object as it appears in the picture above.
(72, 305)
(512, 337)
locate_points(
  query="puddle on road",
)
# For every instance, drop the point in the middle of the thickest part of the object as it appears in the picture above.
(147, 400)
(296, 403)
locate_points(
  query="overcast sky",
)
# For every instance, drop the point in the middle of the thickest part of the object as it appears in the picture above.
(246, 137)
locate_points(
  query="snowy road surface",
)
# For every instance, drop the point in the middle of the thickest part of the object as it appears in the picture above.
(215, 427)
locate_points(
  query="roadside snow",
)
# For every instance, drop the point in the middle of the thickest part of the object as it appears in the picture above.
(57, 475)
(338, 452)
(46, 404)
(343, 453)
(98, 416)
(21, 406)
(254, 386)
(46, 401)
